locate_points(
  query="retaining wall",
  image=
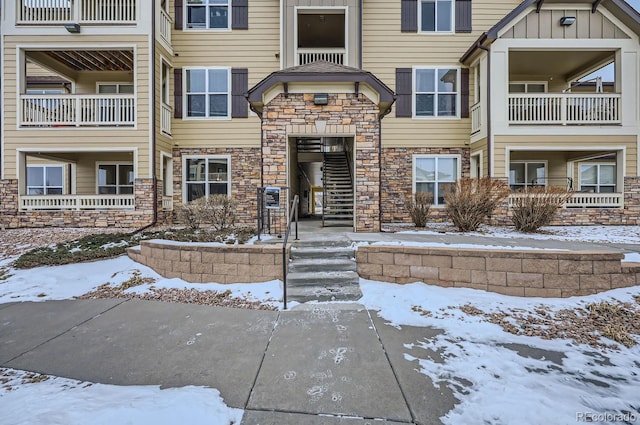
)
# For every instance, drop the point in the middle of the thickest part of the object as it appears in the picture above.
(199, 263)
(511, 272)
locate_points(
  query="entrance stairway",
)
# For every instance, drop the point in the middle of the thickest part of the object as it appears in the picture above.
(323, 271)
(338, 190)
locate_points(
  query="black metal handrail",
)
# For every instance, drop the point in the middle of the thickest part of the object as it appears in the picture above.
(285, 262)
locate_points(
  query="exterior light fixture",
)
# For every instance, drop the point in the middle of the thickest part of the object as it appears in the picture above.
(566, 21)
(320, 99)
(72, 28)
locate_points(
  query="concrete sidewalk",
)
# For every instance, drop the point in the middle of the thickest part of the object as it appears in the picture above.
(318, 364)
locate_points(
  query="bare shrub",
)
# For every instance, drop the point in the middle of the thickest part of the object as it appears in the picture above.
(471, 200)
(215, 211)
(418, 207)
(535, 206)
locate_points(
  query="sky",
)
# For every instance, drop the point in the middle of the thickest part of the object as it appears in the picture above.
(607, 71)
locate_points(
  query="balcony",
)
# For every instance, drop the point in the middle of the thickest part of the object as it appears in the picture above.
(586, 200)
(46, 12)
(334, 55)
(166, 23)
(165, 118)
(77, 110)
(565, 108)
(476, 118)
(76, 202)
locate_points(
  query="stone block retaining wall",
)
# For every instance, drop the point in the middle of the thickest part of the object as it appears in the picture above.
(199, 263)
(510, 272)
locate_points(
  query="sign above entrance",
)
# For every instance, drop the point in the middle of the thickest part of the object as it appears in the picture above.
(272, 198)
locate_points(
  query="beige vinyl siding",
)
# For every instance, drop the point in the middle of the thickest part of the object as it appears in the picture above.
(87, 82)
(546, 24)
(556, 164)
(73, 139)
(35, 70)
(481, 146)
(571, 143)
(256, 49)
(163, 143)
(386, 48)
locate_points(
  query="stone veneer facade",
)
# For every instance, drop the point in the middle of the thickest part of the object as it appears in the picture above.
(397, 180)
(245, 178)
(346, 114)
(142, 215)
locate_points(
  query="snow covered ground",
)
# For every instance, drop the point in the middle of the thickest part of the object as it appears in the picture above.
(603, 234)
(568, 381)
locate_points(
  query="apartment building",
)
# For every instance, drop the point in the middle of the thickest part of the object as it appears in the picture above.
(116, 111)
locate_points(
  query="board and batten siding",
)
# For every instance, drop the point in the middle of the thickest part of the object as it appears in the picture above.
(566, 142)
(546, 25)
(72, 139)
(386, 47)
(256, 48)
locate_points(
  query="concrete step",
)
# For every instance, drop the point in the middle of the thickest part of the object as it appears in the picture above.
(339, 223)
(322, 250)
(305, 265)
(327, 293)
(334, 278)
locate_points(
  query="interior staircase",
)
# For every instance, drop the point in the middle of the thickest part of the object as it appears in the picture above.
(338, 190)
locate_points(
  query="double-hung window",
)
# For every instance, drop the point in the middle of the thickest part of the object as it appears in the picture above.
(598, 178)
(436, 92)
(436, 15)
(435, 175)
(206, 176)
(208, 14)
(525, 174)
(115, 179)
(207, 92)
(44, 180)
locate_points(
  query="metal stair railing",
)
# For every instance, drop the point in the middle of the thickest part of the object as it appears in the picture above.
(285, 262)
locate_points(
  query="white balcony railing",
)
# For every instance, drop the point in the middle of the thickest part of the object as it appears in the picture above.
(82, 11)
(77, 202)
(587, 200)
(95, 110)
(167, 203)
(165, 26)
(165, 118)
(476, 118)
(565, 108)
(305, 56)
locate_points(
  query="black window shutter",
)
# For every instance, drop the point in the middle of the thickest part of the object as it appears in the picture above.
(464, 93)
(178, 15)
(177, 92)
(239, 86)
(409, 15)
(240, 14)
(463, 16)
(403, 92)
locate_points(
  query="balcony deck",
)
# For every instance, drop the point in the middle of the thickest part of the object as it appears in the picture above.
(565, 108)
(49, 12)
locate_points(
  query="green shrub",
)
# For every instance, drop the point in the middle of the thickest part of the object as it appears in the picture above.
(535, 207)
(471, 200)
(418, 208)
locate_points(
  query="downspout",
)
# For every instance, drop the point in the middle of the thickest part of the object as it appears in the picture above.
(360, 60)
(489, 144)
(152, 154)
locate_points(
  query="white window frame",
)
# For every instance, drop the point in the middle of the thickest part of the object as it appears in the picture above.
(598, 184)
(526, 86)
(44, 185)
(414, 161)
(185, 18)
(185, 94)
(206, 182)
(165, 92)
(526, 182)
(414, 93)
(118, 84)
(452, 23)
(118, 185)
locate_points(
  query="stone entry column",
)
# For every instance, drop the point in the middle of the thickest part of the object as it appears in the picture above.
(345, 115)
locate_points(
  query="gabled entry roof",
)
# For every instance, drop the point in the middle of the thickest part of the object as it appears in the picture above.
(321, 73)
(619, 8)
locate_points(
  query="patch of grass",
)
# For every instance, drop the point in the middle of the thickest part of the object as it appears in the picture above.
(102, 246)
